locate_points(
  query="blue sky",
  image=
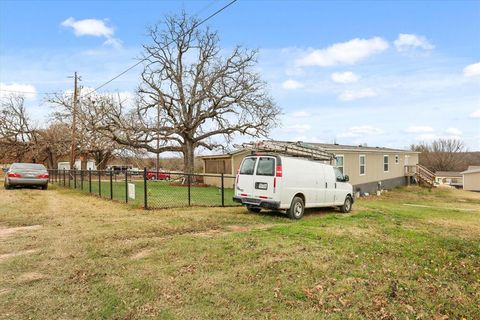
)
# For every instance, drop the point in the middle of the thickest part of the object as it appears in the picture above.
(382, 73)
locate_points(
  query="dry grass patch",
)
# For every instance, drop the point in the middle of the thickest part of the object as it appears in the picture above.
(104, 260)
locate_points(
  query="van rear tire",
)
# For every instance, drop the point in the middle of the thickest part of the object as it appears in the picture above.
(297, 208)
(253, 209)
(347, 205)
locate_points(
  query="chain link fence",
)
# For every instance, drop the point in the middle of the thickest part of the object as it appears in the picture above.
(151, 189)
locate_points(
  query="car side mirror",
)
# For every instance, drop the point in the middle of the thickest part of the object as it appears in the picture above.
(5, 169)
(346, 178)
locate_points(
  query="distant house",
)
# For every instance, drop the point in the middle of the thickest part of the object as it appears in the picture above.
(449, 178)
(471, 178)
(369, 168)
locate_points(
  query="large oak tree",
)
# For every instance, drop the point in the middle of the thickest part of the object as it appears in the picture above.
(192, 94)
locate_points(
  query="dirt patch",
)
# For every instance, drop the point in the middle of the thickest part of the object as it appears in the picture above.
(142, 254)
(6, 256)
(6, 232)
(4, 291)
(232, 229)
(30, 276)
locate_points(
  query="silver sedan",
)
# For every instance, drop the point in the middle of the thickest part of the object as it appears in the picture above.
(26, 174)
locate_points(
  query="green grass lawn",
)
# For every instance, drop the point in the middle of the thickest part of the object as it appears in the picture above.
(161, 194)
(67, 255)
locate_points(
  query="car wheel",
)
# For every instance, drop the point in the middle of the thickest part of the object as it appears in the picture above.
(153, 178)
(253, 209)
(45, 187)
(7, 187)
(297, 209)
(347, 205)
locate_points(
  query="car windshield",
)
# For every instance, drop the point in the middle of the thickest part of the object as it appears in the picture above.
(339, 175)
(248, 166)
(28, 166)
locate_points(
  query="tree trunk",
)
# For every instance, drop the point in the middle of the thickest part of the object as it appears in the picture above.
(188, 156)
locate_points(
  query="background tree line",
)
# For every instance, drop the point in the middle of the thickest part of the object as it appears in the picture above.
(192, 94)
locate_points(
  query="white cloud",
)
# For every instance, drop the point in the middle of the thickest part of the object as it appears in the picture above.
(348, 52)
(93, 27)
(297, 128)
(454, 131)
(301, 114)
(360, 131)
(27, 90)
(475, 114)
(407, 42)
(472, 70)
(344, 77)
(350, 95)
(419, 129)
(292, 84)
(88, 27)
(427, 137)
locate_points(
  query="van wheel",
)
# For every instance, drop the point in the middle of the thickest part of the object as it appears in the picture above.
(347, 205)
(296, 209)
(253, 209)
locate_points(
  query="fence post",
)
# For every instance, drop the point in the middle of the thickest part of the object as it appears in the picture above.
(81, 179)
(111, 187)
(90, 180)
(69, 178)
(145, 188)
(223, 192)
(126, 186)
(189, 191)
(64, 177)
(74, 178)
(99, 183)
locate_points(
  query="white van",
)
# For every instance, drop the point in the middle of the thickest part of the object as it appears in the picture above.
(292, 184)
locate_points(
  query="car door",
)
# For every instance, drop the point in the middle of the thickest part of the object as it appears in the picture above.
(263, 179)
(341, 187)
(245, 178)
(330, 185)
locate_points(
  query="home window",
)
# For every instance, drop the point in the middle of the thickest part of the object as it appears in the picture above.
(397, 159)
(339, 163)
(362, 162)
(385, 163)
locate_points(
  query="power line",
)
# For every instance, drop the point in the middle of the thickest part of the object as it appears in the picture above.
(169, 43)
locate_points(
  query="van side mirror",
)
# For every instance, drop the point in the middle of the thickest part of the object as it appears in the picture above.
(346, 178)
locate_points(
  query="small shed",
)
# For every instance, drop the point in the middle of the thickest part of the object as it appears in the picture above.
(449, 178)
(471, 178)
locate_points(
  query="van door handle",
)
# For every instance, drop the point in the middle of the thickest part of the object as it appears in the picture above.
(326, 184)
(335, 185)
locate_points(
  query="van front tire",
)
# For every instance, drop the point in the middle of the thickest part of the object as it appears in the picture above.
(297, 209)
(347, 205)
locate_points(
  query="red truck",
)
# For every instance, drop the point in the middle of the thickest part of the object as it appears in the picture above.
(158, 175)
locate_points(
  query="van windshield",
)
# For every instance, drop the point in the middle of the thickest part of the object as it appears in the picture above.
(266, 166)
(248, 165)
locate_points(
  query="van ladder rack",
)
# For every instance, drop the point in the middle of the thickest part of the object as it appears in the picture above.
(295, 149)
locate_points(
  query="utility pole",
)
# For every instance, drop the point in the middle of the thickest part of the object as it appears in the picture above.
(158, 141)
(74, 122)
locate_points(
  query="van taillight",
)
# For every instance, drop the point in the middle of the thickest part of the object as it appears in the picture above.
(14, 175)
(279, 171)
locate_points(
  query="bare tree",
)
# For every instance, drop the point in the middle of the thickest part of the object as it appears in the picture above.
(17, 136)
(441, 154)
(191, 95)
(90, 140)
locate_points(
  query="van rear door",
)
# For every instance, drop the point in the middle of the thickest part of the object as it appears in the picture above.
(245, 178)
(264, 178)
